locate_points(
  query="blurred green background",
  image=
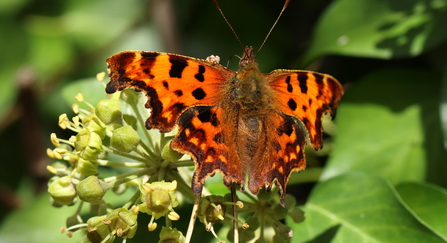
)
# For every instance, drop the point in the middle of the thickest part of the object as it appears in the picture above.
(381, 176)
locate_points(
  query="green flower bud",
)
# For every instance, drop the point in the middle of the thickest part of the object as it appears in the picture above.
(130, 97)
(55, 204)
(246, 235)
(109, 111)
(97, 231)
(73, 220)
(230, 235)
(261, 240)
(122, 223)
(62, 190)
(85, 168)
(215, 213)
(264, 196)
(158, 198)
(94, 147)
(171, 236)
(279, 212)
(253, 222)
(125, 139)
(93, 126)
(211, 209)
(170, 155)
(290, 201)
(283, 233)
(297, 215)
(89, 144)
(131, 120)
(92, 189)
(82, 139)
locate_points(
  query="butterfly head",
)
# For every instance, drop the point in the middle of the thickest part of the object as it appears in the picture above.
(248, 58)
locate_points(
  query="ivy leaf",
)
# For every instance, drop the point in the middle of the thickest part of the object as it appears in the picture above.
(358, 207)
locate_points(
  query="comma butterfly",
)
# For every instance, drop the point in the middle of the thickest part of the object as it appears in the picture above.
(244, 124)
(241, 124)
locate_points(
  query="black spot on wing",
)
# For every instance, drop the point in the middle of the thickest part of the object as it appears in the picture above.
(149, 55)
(302, 80)
(199, 76)
(318, 78)
(286, 127)
(199, 94)
(178, 92)
(147, 62)
(218, 138)
(292, 104)
(289, 86)
(177, 66)
(206, 114)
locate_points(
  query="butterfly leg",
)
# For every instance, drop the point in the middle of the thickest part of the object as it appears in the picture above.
(192, 220)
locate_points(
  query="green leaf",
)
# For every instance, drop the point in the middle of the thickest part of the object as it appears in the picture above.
(379, 28)
(37, 222)
(388, 125)
(357, 207)
(428, 202)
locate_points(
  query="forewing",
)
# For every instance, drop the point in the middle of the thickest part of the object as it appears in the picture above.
(173, 83)
(307, 96)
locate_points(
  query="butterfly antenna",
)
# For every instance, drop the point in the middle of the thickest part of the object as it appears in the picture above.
(228, 23)
(274, 24)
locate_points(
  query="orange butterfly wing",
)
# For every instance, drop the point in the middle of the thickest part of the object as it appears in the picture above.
(307, 96)
(187, 92)
(165, 78)
(285, 147)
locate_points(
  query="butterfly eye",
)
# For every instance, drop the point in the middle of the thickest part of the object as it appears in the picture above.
(243, 63)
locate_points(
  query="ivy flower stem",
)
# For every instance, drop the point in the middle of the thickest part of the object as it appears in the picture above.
(147, 150)
(66, 142)
(120, 179)
(181, 164)
(126, 155)
(168, 223)
(121, 164)
(146, 156)
(132, 200)
(145, 131)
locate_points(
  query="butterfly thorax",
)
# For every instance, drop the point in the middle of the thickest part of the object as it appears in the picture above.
(250, 88)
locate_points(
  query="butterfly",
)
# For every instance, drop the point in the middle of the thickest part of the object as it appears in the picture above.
(249, 126)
